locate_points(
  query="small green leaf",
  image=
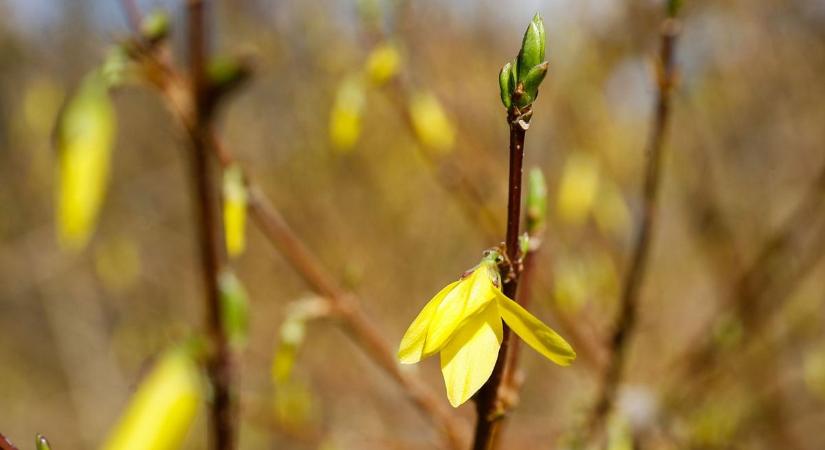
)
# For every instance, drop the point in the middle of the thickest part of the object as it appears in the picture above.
(532, 47)
(533, 79)
(504, 85)
(234, 308)
(225, 72)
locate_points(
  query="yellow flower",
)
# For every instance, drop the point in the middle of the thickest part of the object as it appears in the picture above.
(463, 323)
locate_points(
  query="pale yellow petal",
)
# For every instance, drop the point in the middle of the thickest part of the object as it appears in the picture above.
(411, 349)
(468, 359)
(163, 408)
(535, 333)
(85, 138)
(468, 298)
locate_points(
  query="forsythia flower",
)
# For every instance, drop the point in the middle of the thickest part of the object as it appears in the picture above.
(463, 323)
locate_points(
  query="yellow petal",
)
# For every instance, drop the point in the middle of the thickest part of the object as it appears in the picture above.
(234, 211)
(345, 118)
(468, 359)
(431, 124)
(85, 135)
(411, 349)
(535, 333)
(383, 63)
(163, 408)
(469, 297)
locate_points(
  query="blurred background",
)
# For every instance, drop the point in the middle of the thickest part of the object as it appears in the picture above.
(375, 127)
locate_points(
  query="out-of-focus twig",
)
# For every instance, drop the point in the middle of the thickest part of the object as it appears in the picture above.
(163, 75)
(786, 257)
(634, 276)
(219, 367)
(5, 444)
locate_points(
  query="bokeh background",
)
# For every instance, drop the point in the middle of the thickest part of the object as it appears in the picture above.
(381, 199)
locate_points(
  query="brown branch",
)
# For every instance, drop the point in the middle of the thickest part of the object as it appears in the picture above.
(219, 366)
(167, 80)
(5, 444)
(132, 13)
(489, 407)
(626, 321)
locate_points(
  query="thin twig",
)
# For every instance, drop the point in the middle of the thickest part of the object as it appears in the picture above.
(347, 308)
(790, 253)
(223, 426)
(489, 407)
(5, 444)
(132, 13)
(276, 230)
(626, 322)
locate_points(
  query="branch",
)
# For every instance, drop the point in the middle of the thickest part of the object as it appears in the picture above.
(167, 80)
(626, 322)
(219, 366)
(489, 407)
(5, 444)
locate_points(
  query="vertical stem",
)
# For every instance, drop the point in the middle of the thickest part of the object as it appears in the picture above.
(209, 232)
(626, 322)
(489, 408)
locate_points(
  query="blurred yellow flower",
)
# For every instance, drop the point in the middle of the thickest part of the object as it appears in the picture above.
(85, 137)
(463, 323)
(383, 63)
(163, 408)
(432, 126)
(345, 118)
(234, 211)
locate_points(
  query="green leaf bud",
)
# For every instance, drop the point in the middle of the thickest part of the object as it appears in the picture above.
(155, 26)
(533, 79)
(41, 443)
(532, 47)
(504, 84)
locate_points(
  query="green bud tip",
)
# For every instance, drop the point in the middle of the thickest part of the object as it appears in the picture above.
(41, 443)
(532, 47)
(673, 7)
(155, 26)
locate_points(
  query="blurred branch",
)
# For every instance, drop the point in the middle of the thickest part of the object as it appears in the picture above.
(132, 13)
(5, 444)
(347, 307)
(788, 256)
(626, 322)
(490, 408)
(223, 420)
